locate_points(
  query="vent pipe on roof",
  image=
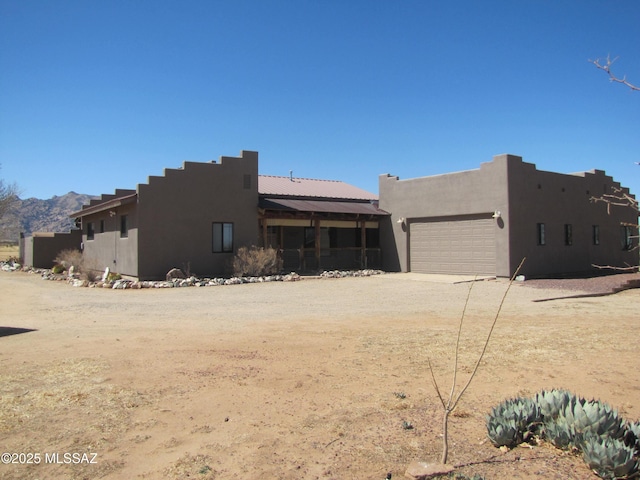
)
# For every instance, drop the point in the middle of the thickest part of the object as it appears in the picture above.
(291, 175)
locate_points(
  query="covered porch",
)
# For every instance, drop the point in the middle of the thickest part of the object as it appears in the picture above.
(317, 235)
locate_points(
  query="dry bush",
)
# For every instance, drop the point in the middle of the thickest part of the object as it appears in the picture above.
(69, 258)
(87, 269)
(256, 262)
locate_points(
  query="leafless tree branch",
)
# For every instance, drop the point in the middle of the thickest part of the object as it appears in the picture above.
(8, 196)
(611, 267)
(612, 78)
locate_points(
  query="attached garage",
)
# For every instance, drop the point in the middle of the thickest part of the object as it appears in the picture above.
(453, 245)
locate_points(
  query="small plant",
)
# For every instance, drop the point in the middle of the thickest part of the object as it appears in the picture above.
(113, 276)
(460, 476)
(552, 402)
(69, 258)
(513, 422)
(451, 402)
(609, 458)
(256, 262)
(58, 269)
(609, 445)
(407, 425)
(204, 470)
(400, 395)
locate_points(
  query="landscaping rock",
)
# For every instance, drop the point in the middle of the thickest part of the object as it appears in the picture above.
(423, 470)
(175, 273)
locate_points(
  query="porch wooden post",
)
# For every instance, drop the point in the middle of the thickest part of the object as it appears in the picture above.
(363, 244)
(264, 233)
(316, 224)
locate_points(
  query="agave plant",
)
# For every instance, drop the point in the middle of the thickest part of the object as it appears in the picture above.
(552, 402)
(513, 421)
(632, 436)
(559, 433)
(503, 432)
(609, 458)
(593, 417)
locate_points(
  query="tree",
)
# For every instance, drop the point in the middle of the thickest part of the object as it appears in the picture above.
(618, 197)
(8, 196)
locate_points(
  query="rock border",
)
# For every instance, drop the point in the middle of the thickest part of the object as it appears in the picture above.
(125, 284)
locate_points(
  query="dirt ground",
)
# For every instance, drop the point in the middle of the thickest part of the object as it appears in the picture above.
(300, 380)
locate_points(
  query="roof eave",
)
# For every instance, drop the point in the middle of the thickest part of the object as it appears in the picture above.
(109, 204)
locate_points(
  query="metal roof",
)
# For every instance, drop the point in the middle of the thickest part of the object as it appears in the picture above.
(321, 206)
(106, 205)
(308, 187)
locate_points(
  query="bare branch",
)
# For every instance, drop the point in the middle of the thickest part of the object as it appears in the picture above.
(486, 343)
(611, 267)
(455, 367)
(612, 78)
(435, 384)
(8, 196)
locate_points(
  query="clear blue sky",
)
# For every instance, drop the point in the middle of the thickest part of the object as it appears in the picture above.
(98, 95)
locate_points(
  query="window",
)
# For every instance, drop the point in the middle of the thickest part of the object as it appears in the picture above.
(568, 234)
(222, 237)
(627, 239)
(596, 234)
(90, 232)
(541, 234)
(124, 226)
(101, 226)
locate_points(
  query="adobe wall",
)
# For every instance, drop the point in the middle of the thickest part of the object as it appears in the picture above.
(176, 213)
(109, 248)
(556, 200)
(40, 249)
(473, 192)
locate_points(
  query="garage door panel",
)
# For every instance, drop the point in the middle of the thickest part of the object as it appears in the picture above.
(455, 247)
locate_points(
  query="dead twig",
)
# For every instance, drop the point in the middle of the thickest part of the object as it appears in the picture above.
(612, 78)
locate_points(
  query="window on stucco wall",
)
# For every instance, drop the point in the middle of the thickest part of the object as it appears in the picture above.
(124, 226)
(541, 234)
(222, 237)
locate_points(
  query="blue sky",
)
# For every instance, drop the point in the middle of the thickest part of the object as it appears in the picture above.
(98, 95)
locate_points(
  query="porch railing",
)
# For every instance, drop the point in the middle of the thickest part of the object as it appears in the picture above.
(349, 258)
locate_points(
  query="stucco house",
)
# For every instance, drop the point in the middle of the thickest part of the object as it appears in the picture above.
(481, 221)
(196, 217)
(485, 221)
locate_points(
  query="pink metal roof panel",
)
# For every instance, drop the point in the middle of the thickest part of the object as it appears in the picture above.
(308, 187)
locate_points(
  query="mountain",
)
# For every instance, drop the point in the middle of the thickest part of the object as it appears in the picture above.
(35, 215)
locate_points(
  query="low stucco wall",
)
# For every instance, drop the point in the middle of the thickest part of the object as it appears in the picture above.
(40, 249)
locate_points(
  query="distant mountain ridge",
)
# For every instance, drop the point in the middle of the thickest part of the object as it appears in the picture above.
(36, 215)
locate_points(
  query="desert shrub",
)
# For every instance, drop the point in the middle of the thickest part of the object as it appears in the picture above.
(69, 258)
(256, 262)
(87, 269)
(57, 269)
(113, 276)
(90, 270)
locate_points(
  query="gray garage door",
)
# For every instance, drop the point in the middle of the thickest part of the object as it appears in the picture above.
(465, 246)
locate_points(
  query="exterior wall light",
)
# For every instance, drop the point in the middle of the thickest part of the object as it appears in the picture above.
(497, 214)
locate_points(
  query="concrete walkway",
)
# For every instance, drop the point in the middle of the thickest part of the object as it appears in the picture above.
(437, 278)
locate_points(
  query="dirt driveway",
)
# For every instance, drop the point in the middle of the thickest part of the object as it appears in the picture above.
(298, 380)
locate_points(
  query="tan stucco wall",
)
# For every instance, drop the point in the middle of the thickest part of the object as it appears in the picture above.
(108, 249)
(525, 197)
(176, 213)
(557, 199)
(39, 250)
(473, 192)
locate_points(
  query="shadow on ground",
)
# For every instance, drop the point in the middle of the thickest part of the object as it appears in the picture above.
(6, 331)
